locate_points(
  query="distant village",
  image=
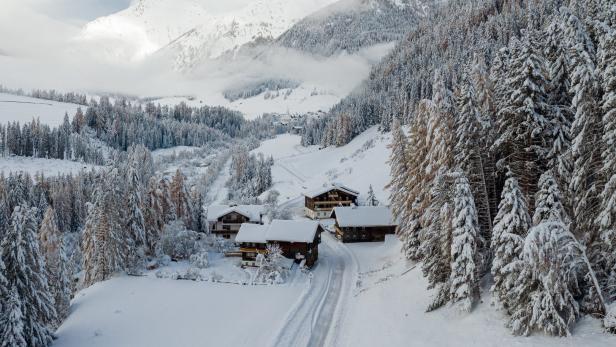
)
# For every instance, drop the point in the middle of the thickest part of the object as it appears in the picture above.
(299, 239)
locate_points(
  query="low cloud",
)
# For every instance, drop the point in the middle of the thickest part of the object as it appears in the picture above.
(46, 55)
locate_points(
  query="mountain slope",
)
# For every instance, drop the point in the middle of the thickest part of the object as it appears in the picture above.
(191, 30)
(349, 25)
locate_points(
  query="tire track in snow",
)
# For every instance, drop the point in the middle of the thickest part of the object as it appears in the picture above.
(315, 320)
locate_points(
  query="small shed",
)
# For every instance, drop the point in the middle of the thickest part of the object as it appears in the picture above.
(363, 223)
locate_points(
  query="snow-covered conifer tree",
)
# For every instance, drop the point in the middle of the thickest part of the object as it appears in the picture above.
(12, 333)
(465, 257)
(371, 199)
(135, 222)
(398, 162)
(26, 275)
(523, 124)
(607, 216)
(553, 269)
(468, 149)
(53, 251)
(510, 228)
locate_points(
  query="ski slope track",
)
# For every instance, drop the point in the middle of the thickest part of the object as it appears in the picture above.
(316, 317)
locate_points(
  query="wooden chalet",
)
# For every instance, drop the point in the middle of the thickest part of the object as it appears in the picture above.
(320, 203)
(252, 241)
(298, 239)
(363, 223)
(226, 220)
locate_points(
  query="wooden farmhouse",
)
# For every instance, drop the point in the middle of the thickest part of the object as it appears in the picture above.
(298, 239)
(320, 203)
(363, 223)
(225, 220)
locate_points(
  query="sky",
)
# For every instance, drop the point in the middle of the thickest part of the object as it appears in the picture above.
(78, 11)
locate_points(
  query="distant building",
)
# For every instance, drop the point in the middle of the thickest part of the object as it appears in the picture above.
(225, 220)
(363, 223)
(320, 203)
(298, 239)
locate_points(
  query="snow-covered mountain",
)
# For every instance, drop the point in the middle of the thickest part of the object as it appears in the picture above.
(349, 25)
(191, 30)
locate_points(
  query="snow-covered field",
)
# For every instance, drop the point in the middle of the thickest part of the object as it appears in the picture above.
(303, 99)
(143, 311)
(49, 167)
(24, 109)
(361, 163)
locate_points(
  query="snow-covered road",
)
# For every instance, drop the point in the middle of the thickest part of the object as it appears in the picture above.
(316, 317)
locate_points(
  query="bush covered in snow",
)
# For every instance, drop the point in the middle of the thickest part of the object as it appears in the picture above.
(270, 269)
(199, 260)
(178, 242)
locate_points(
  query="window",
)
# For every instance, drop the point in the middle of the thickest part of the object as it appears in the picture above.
(226, 227)
(226, 236)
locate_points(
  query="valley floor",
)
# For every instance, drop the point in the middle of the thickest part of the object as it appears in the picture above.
(360, 294)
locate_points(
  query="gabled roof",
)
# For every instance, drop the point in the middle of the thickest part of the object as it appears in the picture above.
(252, 212)
(363, 216)
(253, 233)
(292, 230)
(324, 190)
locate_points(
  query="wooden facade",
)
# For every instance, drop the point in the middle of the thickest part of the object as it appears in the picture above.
(363, 233)
(228, 224)
(363, 223)
(319, 206)
(250, 250)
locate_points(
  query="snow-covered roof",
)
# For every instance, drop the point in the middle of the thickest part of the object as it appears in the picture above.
(334, 186)
(253, 233)
(367, 216)
(253, 212)
(292, 230)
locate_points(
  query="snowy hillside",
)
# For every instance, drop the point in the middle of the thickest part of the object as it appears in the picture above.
(193, 29)
(349, 25)
(390, 297)
(297, 169)
(24, 109)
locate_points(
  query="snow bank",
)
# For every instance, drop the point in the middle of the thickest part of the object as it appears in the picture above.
(24, 109)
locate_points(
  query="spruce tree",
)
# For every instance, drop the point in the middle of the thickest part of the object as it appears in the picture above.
(510, 228)
(26, 275)
(607, 216)
(12, 333)
(554, 271)
(53, 251)
(465, 257)
(522, 124)
(436, 239)
(468, 157)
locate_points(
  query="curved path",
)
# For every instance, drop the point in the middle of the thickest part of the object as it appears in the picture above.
(317, 316)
